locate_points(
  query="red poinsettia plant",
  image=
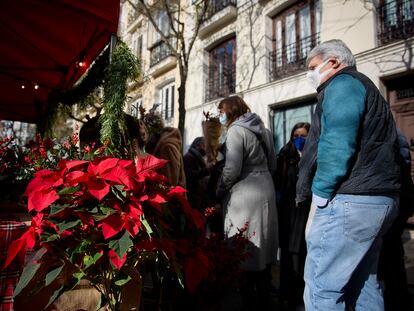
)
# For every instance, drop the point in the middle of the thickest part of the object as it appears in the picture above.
(101, 219)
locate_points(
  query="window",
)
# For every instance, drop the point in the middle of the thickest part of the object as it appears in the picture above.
(137, 45)
(216, 6)
(295, 33)
(167, 98)
(285, 118)
(134, 108)
(222, 70)
(163, 22)
(396, 20)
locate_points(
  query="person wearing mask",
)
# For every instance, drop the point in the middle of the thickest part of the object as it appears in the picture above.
(247, 193)
(292, 219)
(350, 168)
(196, 170)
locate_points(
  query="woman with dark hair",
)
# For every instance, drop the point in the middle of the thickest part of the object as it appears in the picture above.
(247, 192)
(292, 219)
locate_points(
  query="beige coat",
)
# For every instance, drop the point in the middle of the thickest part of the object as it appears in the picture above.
(169, 147)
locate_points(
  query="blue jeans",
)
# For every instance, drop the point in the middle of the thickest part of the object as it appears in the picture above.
(344, 240)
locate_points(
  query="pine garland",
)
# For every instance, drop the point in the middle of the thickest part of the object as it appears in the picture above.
(124, 66)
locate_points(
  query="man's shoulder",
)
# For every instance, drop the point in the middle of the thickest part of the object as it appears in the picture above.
(346, 81)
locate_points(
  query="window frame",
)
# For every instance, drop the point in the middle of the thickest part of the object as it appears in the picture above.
(281, 16)
(167, 107)
(227, 78)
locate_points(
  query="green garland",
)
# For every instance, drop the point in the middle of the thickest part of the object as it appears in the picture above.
(124, 66)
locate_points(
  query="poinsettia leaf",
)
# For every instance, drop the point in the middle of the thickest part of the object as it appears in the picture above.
(39, 200)
(76, 177)
(75, 163)
(121, 246)
(177, 190)
(69, 190)
(27, 240)
(52, 237)
(195, 269)
(106, 210)
(115, 260)
(53, 274)
(105, 165)
(121, 195)
(123, 281)
(111, 225)
(149, 162)
(68, 225)
(29, 271)
(55, 296)
(79, 275)
(57, 208)
(91, 260)
(98, 188)
(147, 226)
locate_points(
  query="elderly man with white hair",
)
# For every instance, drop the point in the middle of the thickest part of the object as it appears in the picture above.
(350, 169)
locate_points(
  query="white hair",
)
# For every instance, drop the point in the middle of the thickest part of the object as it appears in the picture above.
(333, 48)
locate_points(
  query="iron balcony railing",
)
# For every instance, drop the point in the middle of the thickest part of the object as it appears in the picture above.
(396, 20)
(221, 85)
(289, 59)
(159, 52)
(216, 6)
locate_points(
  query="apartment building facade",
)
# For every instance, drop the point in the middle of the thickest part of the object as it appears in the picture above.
(257, 49)
(160, 76)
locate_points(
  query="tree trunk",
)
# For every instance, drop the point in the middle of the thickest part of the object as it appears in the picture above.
(181, 101)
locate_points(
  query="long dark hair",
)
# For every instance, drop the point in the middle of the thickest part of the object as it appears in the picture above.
(236, 107)
(299, 125)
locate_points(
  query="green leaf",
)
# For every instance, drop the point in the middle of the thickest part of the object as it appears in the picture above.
(28, 273)
(119, 194)
(69, 190)
(55, 296)
(147, 226)
(91, 260)
(123, 281)
(68, 225)
(56, 208)
(119, 187)
(106, 210)
(78, 277)
(53, 274)
(52, 237)
(122, 245)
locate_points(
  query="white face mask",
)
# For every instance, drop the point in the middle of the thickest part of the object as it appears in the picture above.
(315, 77)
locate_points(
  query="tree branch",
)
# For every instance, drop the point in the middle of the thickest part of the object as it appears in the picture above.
(164, 38)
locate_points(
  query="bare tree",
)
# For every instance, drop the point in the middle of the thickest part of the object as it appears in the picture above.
(184, 19)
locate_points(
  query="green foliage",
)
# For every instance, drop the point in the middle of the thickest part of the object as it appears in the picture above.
(124, 66)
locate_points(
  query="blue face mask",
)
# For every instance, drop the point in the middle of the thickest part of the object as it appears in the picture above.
(299, 142)
(223, 119)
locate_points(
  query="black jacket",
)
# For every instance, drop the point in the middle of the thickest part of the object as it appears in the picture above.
(195, 170)
(375, 169)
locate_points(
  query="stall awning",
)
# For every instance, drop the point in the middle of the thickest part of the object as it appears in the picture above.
(45, 47)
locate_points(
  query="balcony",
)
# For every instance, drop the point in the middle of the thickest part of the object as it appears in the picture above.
(221, 85)
(396, 21)
(219, 14)
(159, 52)
(291, 59)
